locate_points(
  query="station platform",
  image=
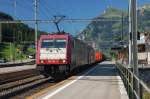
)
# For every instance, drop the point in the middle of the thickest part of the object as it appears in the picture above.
(16, 69)
(100, 82)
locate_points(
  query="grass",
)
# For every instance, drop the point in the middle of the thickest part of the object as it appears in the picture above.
(11, 51)
(146, 95)
(5, 49)
(31, 50)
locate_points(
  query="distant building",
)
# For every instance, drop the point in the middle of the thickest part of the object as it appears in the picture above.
(147, 45)
(144, 48)
(81, 36)
(142, 55)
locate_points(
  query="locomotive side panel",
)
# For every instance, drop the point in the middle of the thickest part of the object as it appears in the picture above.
(84, 54)
(92, 55)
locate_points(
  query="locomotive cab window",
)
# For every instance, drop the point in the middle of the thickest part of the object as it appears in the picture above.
(47, 44)
(60, 43)
(57, 43)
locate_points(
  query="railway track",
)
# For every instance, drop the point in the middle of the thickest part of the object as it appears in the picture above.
(18, 85)
(12, 83)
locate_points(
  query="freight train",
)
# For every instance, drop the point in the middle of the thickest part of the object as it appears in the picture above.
(99, 56)
(59, 54)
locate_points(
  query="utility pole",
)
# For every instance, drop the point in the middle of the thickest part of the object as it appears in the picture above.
(15, 6)
(0, 32)
(135, 50)
(122, 26)
(14, 36)
(36, 21)
(130, 35)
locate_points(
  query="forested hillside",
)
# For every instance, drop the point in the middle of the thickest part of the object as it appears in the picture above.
(16, 39)
(15, 32)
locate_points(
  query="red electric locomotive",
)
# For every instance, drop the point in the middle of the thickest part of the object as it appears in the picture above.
(59, 54)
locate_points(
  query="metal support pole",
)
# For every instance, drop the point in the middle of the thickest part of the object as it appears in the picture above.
(36, 22)
(130, 43)
(0, 32)
(14, 34)
(134, 33)
(122, 26)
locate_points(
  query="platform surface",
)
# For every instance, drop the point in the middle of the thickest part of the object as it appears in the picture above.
(100, 82)
(16, 68)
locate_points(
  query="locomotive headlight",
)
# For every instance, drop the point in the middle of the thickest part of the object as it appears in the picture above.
(64, 61)
(42, 61)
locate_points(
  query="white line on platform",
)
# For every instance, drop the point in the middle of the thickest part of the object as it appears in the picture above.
(122, 89)
(68, 84)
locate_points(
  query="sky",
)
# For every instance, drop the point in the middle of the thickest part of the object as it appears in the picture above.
(79, 9)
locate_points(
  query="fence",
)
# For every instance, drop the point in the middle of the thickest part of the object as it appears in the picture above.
(130, 81)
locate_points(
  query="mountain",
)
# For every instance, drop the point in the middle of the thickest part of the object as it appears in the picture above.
(15, 32)
(104, 33)
(16, 39)
(144, 18)
(4, 16)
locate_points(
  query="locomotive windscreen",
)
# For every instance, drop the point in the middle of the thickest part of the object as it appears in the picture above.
(58, 43)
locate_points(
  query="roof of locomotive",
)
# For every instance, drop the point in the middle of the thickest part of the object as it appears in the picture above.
(61, 35)
(55, 35)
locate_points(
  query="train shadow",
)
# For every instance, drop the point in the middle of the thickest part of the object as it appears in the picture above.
(98, 72)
